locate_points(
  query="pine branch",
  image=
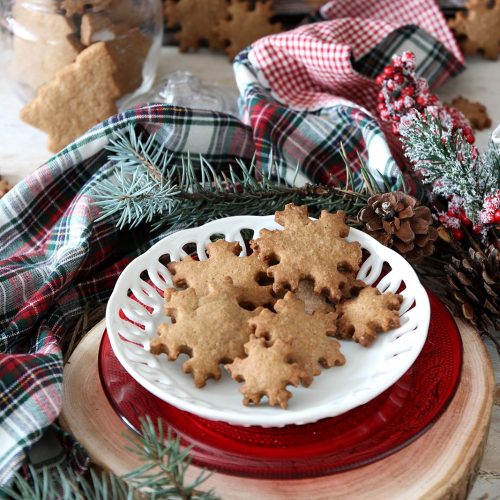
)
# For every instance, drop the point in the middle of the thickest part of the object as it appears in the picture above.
(147, 186)
(162, 475)
(448, 161)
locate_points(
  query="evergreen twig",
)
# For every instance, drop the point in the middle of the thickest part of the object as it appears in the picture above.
(162, 475)
(147, 187)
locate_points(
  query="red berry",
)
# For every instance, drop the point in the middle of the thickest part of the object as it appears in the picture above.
(408, 91)
(389, 71)
(442, 219)
(470, 138)
(464, 219)
(476, 229)
(385, 115)
(395, 118)
(381, 96)
(380, 79)
(422, 100)
(407, 56)
(497, 215)
(458, 234)
(489, 218)
(381, 106)
(395, 128)
(398, 78)
(390, 85)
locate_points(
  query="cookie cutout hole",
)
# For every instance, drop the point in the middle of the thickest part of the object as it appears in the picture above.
(248, 306)
(344, 268)
(273, 260)
(181, 284)
(263, 279)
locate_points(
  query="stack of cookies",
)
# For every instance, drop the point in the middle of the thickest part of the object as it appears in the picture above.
(271, 317)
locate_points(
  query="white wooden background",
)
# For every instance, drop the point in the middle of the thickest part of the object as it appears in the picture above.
(23, 149)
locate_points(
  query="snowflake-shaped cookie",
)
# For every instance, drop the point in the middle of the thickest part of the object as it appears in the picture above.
(224, 260)
(211, 329)
(246, 25)
(266, 371)
(310, 334)
(308, 249)
(197, 19)
(479, 27)
(371, 312)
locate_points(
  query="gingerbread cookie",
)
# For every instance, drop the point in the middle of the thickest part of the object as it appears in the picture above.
(308, 249)
(196, 19)
(477, 28)
(266, 371)
(224, 260)
(246, 25)
(371, 312)
(312, 345)
(5, 187)
(211, 329)
(81, 95)
(475, 112)
(72, 7)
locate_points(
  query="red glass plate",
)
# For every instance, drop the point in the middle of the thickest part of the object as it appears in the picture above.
(363, 435)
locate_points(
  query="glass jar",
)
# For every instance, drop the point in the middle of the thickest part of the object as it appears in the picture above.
(182, 88)
(40, 37)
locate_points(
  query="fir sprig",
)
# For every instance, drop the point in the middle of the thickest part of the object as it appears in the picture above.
(162, 475)
(148, 186)
(449, 162)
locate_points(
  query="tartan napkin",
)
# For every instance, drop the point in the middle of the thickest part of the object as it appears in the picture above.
(303, 93)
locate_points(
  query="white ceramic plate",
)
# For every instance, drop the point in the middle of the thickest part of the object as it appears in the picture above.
(366, 374)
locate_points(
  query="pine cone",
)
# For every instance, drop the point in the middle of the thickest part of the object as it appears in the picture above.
(398, 221)
(474, 283)
(4, 187)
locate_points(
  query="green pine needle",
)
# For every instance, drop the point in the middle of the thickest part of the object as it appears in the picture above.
(147, 187)
(162, 475)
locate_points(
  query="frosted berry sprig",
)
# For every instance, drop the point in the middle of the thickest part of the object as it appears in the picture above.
(455, 219)
(402, 93)
(490, 214)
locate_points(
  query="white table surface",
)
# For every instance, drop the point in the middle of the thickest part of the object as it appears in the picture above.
(23, 149)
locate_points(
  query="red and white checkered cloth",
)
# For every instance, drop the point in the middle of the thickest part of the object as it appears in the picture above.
(307, 66)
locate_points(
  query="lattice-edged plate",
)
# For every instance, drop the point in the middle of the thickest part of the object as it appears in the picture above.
(131, 324)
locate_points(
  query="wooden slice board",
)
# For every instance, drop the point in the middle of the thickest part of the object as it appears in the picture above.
(440, 464)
